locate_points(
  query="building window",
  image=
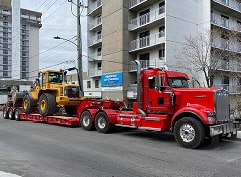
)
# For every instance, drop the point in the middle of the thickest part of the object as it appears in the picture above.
(225, 2)
(225, 21)
(97, 84)
(88, 84)
(98, 19)
(5, 24)
(145, 17)
(162, 7)
(144, 39)
(225, 82)
(225, 63)
(144, 59)
(162, 31)
(162, 54)
(99, 51)
(99, 64)
(99, 35)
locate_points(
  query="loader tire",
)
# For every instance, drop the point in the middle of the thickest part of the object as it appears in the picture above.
(29, 104)
(189, 132)
(47, 104)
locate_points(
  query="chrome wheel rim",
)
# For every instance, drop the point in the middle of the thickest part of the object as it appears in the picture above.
(101, 122)
(187, 133)
(86, 121)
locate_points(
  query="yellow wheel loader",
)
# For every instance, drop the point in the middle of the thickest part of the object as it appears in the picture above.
(50, 92)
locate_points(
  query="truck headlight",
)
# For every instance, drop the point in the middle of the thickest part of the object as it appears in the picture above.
(211, 117)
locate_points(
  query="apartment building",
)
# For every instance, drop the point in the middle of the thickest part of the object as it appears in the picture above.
(19, 41)
(153, 32)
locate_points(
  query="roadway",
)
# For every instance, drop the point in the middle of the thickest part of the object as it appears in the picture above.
(31, 149)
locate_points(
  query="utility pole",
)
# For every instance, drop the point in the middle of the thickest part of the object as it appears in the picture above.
(79, 48)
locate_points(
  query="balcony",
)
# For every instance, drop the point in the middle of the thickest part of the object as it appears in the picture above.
(228, 6)
(140, 4)
(145, 64)
(95, 41)
(233, 89)
(132, 91)
(95, 57)
(147, 19)
(96, 25)
(95, 72)
(146, 42)
(224, 23)
(95, 8)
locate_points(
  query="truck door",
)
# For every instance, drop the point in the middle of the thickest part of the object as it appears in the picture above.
(158, 97)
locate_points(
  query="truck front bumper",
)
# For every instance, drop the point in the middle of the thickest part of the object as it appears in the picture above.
(223, 129)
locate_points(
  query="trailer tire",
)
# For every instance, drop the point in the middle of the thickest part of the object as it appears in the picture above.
(11, 114)
(29, 104)
(189, 132)
(17, 115)
(5, 113)
(86, 121)
(102, 123)
(47, 104)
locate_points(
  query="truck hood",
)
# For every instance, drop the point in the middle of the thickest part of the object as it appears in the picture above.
(203, 97)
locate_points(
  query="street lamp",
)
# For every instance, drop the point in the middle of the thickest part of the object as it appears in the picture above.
(80, 77)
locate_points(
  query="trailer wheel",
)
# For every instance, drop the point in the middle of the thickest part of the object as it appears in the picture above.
(11, 114)
(5, 113)
(189, 132)
(28, 104)
(86, 121)
(102, 123)
(47, 104)
(17, 115)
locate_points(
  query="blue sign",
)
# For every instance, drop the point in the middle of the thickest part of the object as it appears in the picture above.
(112, 79)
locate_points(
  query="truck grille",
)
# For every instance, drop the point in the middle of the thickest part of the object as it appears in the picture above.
(71, 91)
(221, 103)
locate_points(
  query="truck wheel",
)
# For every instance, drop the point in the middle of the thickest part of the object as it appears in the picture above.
(17, 115)
(47, 104)
(5, 113)
(11, 114)
(28, 104)
(189, 132)
(102, 123)
(86, 121)
(70, 110)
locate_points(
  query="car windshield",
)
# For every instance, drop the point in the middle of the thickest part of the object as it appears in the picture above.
(178, 82)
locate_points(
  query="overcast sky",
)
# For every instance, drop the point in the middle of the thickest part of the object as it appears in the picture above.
(57, 19)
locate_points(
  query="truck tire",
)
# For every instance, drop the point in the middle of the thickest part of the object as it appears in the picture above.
(11, 114)
(47, 104)
(5, 113)
(189, 132)
(17, 115)
(102, 123)
(86, 121)
(70, 110)
(29, 104)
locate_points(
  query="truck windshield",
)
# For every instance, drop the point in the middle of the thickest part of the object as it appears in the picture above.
(55, 77)
(178, 82)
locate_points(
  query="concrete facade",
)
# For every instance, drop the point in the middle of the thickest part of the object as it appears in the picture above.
(153, 32)
(19, 38)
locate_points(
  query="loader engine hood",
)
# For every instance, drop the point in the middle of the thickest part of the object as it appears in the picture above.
(206, 99)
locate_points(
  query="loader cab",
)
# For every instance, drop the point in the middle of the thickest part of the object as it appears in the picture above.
(51, 77)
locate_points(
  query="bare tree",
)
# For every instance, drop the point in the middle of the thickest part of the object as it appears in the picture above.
(208, 52)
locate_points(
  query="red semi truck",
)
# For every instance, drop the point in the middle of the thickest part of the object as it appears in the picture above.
(164, 103)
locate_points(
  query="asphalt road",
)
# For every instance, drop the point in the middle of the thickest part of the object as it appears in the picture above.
(33, 149)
